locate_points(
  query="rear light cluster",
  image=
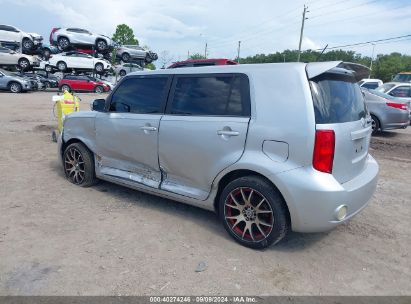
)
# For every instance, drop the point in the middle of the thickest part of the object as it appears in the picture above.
(324, 149)
(401, 106)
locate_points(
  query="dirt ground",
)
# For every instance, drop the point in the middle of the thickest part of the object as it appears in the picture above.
(59, 239)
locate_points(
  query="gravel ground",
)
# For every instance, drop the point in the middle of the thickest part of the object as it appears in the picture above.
(59, 239)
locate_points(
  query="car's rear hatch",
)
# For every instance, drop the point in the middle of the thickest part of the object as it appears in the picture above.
(339, 107)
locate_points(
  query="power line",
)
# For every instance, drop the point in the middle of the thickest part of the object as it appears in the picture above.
(366, 42)
(343, 10)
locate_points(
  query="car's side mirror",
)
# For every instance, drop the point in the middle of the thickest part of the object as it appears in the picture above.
(98, 105)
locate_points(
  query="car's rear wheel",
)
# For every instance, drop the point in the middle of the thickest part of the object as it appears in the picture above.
(148, 59)
(62, 66)
(27, 44)
(15, 87)
(65, 87)
(78, 163)
(99, 67)
(99, 89)
(123, 73)
(253, 212)
(47, 85)
(375, 125)
(63, 43)
(48, 68)
(101, 45)
(125, 57)
(24, 63)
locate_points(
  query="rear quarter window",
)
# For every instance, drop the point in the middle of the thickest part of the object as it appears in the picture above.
(337, 98)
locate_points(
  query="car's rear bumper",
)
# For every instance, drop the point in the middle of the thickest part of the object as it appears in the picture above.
(397, 125)
(314, 197)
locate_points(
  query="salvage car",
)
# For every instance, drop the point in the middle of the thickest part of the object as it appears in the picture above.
(82, 83)
(269, 147)
(44, 82)
(12, 35)
(77, 61)
(132, 52)
(123, 69)
(370, 83)
(387, 112)
(13, 83)
(64, 38)
(12, 58)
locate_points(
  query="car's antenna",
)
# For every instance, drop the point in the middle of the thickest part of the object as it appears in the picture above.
(319, 56)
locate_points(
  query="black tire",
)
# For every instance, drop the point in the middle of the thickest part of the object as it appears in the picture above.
(268, 219)
(123, 73)
(24, 63)
(65, 87)
(375, 125)
(148, 59)
(61, 66)
(48, 68)
(99, 89)
(125, 57)
(63, 43)
(101, 45)
(27, 44)
(15, 87)
(99, 67)
(46, 53)
(78, 165)
(47, 85)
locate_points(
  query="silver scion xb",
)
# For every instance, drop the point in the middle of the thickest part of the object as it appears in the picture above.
(269, 147)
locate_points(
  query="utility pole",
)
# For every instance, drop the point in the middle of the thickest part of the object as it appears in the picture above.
(188, 54)
(205, 51)
(302, 32)
(238, 51)
(372, 59)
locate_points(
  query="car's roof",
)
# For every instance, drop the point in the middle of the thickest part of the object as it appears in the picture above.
(404, 73)
(399, 83)
(370, 79)
(313, 68)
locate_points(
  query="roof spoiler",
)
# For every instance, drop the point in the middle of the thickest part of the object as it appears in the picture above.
(314, 69)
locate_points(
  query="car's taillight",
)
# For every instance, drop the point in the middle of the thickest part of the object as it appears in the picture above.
(324, 150)
(401, 106)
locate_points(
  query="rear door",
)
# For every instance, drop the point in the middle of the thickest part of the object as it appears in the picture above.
(203, 132)
(339, 106)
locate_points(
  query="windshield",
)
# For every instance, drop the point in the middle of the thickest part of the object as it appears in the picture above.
(337, 99)
(7, 73)
(385, 87)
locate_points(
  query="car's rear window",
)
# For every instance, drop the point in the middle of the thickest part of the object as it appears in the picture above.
(337, 98)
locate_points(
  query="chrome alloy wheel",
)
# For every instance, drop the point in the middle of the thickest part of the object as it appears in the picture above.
(248, 214)
(74, 166)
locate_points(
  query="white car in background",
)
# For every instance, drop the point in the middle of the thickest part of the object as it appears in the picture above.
(12, 35)
(77, 61)
(66, 37)
(369, 83)
(396, 89)
(12, 58)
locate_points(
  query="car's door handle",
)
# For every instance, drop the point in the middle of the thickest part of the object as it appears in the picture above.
(228, 133)
(148, 128)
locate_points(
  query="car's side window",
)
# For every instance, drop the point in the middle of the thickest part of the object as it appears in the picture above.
(140, 95)
(402, 91)
(216, 95)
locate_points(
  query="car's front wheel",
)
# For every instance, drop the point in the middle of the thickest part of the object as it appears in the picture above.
(65, 87)
(125, 57)
(15, 87)
(123, 73)
(99, 68)
(63, 43)
(62, 66)
(99, 89)
(28, 44)
(101, 45)
(78, 163)
(253, 212)
(24, 63)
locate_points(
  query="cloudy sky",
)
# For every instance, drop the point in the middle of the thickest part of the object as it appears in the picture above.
(263, 26)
